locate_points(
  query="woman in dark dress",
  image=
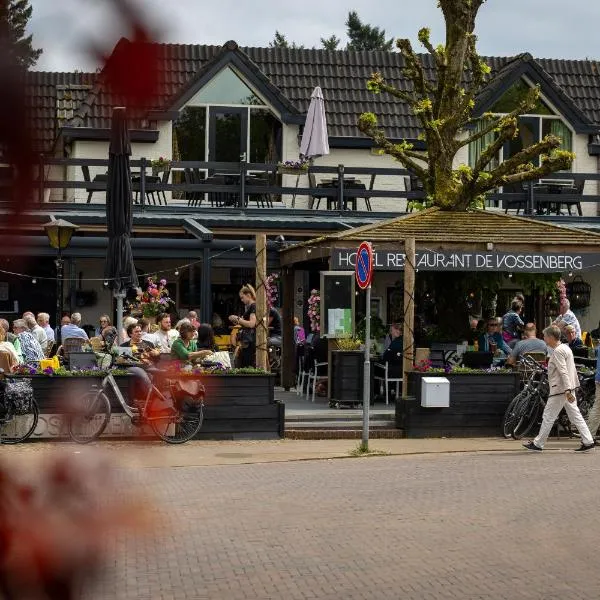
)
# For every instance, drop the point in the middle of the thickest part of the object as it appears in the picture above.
(246, 355)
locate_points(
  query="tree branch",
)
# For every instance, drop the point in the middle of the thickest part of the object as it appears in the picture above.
(506, 133)
(525, 104)
(367, 123)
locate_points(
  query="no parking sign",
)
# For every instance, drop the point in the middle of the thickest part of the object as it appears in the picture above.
(364, 265)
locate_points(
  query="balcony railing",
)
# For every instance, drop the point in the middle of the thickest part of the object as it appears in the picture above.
(196, 185)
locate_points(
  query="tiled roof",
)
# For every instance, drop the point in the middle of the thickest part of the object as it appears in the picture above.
(342, 76)
(479, 226)
(51, 99)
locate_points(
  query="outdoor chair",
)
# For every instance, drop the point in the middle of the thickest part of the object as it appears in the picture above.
(149, 194)
(576, 190)
(412, 184)
(316, 361)
(194, 177)
(72, 344)
(515, 197)
(386, 373)
(100, 178)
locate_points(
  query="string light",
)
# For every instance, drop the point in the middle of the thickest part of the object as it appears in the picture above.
(34, 281)
(176, 273)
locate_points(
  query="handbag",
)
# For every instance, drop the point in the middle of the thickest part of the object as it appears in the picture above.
(18, 394)
(246, 337)
(221, 359)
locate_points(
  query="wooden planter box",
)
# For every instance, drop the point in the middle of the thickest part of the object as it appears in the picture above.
(347, 377)
(477, 404)
(236, 406)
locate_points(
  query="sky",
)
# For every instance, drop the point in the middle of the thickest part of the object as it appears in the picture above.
(68, 30)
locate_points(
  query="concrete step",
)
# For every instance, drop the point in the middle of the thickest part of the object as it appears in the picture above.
(336, 415)
(348, 424)
(349, 434)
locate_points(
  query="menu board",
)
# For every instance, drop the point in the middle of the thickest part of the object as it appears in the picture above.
(337, 304)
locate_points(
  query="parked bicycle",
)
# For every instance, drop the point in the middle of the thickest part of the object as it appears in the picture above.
(19, 411)
(175, 414)
(525, 410)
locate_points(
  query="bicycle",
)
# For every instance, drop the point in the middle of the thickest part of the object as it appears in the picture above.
(19, 412)
(526, 409)
(175, 419)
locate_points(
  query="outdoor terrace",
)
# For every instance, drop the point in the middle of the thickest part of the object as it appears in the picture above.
(238, 188)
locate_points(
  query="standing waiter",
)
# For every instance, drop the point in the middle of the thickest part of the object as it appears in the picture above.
(563, 381)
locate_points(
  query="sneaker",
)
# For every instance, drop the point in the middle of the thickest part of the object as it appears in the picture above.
(585, 448)
(532, 446)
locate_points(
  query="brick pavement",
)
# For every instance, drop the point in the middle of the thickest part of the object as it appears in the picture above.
(490, 526)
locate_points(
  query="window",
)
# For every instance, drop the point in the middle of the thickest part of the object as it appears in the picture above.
(514, 95)
(189, 134)
(265, 137)
(226, 88)
(533, 127)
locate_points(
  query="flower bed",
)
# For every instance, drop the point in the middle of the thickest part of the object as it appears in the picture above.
(239, 403)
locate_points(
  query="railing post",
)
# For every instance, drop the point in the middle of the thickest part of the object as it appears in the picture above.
(530, 201)
(340, 187)
(41, 179)
(143, 162)
(243, 168)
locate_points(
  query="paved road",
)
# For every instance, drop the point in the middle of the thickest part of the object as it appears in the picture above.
(494, 526)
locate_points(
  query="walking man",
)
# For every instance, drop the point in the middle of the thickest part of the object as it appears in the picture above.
(563, 381)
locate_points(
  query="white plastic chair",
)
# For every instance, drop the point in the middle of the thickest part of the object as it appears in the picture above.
(384, 377)
(319, 369)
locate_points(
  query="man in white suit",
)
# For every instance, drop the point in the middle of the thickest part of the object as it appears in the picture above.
(563, 381)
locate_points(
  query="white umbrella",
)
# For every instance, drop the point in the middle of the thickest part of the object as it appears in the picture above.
(315, 141)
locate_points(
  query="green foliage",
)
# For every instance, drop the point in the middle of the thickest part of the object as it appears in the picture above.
(14, 17)
(378, 329)
(330, 43)
(280, 41)
(365, 37)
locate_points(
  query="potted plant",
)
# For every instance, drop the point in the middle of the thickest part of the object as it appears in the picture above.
(154, 301)
(160, 164)
(292, 167)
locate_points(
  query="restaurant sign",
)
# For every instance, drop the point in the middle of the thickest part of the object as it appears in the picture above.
(429, 260)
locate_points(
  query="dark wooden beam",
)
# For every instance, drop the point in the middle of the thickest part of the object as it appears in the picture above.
(288, 350)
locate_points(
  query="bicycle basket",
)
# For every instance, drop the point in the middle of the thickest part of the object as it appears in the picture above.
(19, 395)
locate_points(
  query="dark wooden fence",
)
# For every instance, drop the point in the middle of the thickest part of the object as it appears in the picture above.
(202, 184)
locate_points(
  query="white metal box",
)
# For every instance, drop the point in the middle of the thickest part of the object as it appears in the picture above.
(435, 392)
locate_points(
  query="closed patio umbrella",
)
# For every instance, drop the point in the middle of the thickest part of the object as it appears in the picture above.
(119, 270)
(315, 140)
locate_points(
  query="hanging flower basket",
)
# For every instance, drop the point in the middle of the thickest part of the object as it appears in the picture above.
(160, 165)
(292, 167)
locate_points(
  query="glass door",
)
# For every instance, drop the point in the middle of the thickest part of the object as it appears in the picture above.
(227, 134)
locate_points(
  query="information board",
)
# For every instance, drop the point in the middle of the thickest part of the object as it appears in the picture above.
(337, 304)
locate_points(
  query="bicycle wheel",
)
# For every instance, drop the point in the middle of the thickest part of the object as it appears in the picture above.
(17, 428)
(529, 414)
(90, 417)
(511, 416)
(174, 425)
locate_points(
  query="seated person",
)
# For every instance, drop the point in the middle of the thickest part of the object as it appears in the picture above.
(530, 343)
(206, 338)
(184, 347)
(299, 334)
(109, 337)
(491, 340)
(140, 348)
(572, 339)
(393, 351)
(274, 327)
(595, 333)
(512, 323)
(73, 329)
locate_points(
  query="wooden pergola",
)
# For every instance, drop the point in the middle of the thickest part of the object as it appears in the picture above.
(478, 240)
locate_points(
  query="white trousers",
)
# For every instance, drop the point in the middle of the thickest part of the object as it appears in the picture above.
(593, 420)
(553, 408)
